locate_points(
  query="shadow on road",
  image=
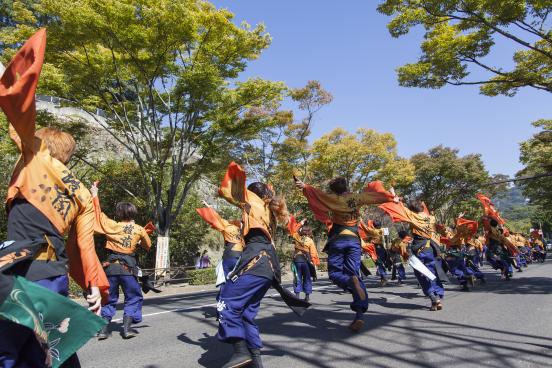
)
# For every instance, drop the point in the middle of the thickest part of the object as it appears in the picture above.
(409, 340)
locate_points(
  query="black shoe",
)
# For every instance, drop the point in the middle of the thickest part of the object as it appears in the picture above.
(256, 356)
(465, 287)
(127, 330)
(241, 356)
(104, 332)
(307, 297)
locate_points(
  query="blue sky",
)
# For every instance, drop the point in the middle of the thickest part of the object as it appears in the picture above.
(346, 46)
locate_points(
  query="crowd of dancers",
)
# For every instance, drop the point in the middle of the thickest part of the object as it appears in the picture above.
(53, 217)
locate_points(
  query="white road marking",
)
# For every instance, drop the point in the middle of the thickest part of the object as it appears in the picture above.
(202, 306)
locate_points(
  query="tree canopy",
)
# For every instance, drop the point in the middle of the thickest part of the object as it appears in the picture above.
(165, 74)
(459, 38)
(360, 158)
(447, 183)
(536, 155)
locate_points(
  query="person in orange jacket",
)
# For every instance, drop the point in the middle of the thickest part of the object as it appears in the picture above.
(305, 257)
(398, 252)
(123, 238)
(45, 201)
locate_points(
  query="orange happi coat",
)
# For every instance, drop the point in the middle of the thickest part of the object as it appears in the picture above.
(303, 244)
(122, 237)
(42, 180)
(344, 209)
(256, 213)
(230, 232)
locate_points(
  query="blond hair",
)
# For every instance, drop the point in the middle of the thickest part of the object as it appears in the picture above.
(60, 144)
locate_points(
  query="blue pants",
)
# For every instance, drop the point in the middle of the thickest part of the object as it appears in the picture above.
(458, 268)
(133, 297)
(401, 273)
(516, 262)
(499, 263)
(475, 271)
(304, 279)
(477, 258)
(522, 257)
(228, 264)
(343, 264)
(18, 345)
(382, 272)
(432, 289)
(238, 306)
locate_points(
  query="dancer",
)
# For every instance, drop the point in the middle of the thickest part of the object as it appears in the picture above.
(257, 270)
(342, 207)
(537, 245)
(374, 233)
(473, 251)
(45, 202)
(497, 252)
(398, 252)
(231, 233)
(500, 250)
(123, 237)
(305, 257)
(425, 246)
(455, 254)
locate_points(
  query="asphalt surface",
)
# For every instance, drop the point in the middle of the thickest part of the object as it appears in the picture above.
(500, 324)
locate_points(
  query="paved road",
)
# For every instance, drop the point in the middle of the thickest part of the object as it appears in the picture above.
(501, 324)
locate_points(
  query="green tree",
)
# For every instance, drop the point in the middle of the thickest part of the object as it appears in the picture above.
(536, 155)
(448, 183)
(165, 75)
(361, 157)
(460, 35)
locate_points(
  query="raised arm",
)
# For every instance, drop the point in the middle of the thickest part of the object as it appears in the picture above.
(145, 240)
(375, 193)
(233, 187)
(17, 91)
(102, 223)
(210, 216)
(398, 212)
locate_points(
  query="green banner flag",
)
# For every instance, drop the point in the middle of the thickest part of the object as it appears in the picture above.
(60, 325)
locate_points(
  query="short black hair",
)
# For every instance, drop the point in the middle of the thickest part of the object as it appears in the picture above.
(125, 211)
(377, 224)
(306, 230)
(338, 185)
(494, 223)
(416, 206)
(260, 189)
(403, 234)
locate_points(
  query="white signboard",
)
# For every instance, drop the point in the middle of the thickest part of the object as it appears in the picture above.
(162, 254)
